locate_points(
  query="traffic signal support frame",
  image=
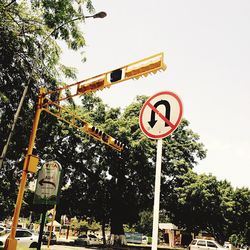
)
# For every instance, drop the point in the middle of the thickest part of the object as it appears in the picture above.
(134, 70)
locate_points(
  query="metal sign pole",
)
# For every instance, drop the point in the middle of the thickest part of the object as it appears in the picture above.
(159, 128)
(157, 195)
(42, 223)
(51, 227)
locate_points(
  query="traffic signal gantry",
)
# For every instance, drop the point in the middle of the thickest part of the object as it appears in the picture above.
(52, 99)
(49, 101)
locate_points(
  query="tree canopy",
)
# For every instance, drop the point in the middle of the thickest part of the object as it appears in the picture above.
(98, 181)
(30, 57)
(103, 182)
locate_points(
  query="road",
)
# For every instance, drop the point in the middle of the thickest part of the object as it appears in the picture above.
(69, 245)
(62, 247)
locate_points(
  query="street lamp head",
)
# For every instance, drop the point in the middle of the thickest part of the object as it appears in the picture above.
(101, 14)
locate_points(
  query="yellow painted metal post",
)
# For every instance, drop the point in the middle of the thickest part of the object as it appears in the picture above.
(11, 242)
(51, 227)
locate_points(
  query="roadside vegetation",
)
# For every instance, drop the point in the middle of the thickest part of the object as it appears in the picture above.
(100, 184)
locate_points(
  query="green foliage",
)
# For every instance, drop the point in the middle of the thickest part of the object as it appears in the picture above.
(29, 56)
(238, 240)
(103, 182)
(197, 199)
(201, 202)
(240, 218)
(83, 226)
(145, 222)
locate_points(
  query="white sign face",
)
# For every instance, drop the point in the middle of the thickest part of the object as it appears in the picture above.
(47, 185)
(161, 115)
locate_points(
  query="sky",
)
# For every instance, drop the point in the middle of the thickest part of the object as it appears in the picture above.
(206, 46)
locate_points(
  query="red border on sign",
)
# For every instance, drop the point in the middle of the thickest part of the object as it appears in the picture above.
(173, 126)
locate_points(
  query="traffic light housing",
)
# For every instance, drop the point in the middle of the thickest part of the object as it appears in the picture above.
(91, 84)
(134, 70)
(146, 66)
(116, 144)
(116, 75)
(97, 133)
(103, 137)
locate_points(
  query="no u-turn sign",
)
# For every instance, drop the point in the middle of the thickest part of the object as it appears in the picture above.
(161, 115)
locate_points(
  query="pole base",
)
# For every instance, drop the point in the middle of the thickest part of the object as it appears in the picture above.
(10, 244)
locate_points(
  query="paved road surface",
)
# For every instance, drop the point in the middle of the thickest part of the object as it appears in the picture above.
(68, 247)
(61, 247)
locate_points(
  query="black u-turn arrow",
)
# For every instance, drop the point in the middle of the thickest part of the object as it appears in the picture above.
(42, 181)
(153, 121)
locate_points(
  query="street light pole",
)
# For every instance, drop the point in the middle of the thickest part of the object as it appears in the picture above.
(101, 14)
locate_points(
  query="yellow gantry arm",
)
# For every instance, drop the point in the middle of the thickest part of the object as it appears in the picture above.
(135, 70)
(75, 121)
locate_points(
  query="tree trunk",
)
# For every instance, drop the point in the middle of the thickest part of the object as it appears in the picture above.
(103, 233)
(117, 237)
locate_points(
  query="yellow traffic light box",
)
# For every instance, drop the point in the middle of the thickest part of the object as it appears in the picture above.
(32, 163)
(134, 70)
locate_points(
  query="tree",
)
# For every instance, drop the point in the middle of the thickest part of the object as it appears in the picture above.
(202, 203)
(83, 226)
(240, 226)
(30, 59)
(196, 204)
(145, 223)
(98, 175)
(103, 182)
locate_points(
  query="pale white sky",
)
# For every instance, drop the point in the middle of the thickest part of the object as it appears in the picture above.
(207, 50)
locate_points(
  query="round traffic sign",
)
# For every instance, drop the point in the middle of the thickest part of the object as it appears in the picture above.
(161, 115)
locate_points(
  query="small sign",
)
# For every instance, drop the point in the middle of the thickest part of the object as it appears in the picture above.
(161, 115)
(48, 183)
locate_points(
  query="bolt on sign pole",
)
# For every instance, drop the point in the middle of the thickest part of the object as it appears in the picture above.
(159, 117)
(30, 165)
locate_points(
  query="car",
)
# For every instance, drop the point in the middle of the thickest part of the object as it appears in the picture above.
(4, 234)
(53, 238)
(204, 244)
(2, 224)
(24, 237)
(84, 240)
(2, 228)
(244, 247)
